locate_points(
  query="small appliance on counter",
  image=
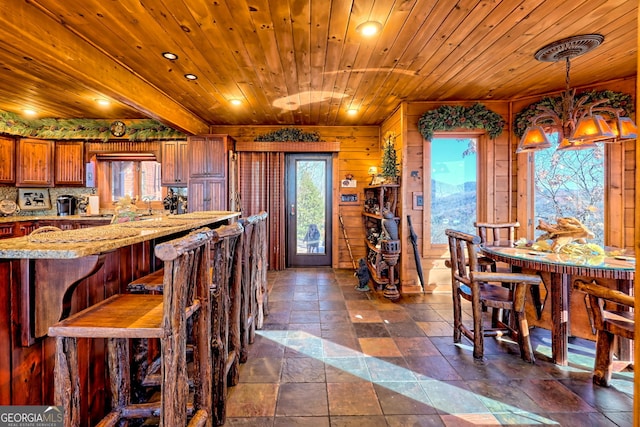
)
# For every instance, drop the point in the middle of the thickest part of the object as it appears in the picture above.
(66, 205)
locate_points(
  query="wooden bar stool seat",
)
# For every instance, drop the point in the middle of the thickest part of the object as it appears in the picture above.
(150, 282)
(123, 317)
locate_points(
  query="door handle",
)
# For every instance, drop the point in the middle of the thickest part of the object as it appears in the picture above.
(292, 212)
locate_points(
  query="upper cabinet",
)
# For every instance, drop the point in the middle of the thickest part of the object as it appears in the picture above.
(208, 172)
(208, 156)
(34, 159)
(175, 167)
(69, 163)
(7, 160)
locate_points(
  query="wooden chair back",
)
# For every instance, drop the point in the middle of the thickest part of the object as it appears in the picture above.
(497, 234)
(463, 250)
(613, 316)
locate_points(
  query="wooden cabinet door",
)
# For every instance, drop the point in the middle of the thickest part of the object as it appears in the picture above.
(34, 161)
(208, 156)
(69, 163)
(174, 163)
(7, 160)
(207, 195)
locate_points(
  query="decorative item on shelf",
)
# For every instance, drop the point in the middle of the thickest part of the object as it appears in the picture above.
(289, 134)
(363, 275)
(579, 122)
(8, 207)
(389, 167)
(450, 117)
(373, 171)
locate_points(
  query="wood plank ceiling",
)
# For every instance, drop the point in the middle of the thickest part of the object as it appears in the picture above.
(295, 62)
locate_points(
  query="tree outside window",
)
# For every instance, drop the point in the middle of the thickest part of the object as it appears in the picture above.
(571, 184)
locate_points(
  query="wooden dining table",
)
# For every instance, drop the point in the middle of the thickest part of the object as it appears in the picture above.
(566, 314)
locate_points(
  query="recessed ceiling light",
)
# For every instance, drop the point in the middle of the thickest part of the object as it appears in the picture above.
(102, 101)
(352, 111)
(369, 28)
(170, 55)
(29, 112)
(235, 102)
(191, 77)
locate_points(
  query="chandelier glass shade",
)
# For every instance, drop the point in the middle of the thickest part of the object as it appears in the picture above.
(581, 122)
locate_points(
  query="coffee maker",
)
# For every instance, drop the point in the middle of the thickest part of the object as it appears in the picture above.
(66, 205)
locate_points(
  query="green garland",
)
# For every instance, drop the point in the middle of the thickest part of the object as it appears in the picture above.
(48, 128)
(449, 117)
(615, 100)
(289, 134)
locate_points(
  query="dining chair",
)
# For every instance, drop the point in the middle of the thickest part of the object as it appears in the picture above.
(495, 234)
(485, 289)
(611, 318)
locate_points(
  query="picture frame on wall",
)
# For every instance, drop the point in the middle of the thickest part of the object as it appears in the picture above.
(418, 201)
(31, 199)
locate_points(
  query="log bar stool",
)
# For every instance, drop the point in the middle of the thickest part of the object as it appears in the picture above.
(250, 281)
(121, 317)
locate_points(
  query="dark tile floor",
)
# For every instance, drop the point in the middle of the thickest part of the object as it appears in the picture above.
(330, 355)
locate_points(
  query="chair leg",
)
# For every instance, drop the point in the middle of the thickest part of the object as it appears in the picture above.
(478, 330)
(457, 317)
(604, 358)
(119, 372)
(524, 341)
(67, 380)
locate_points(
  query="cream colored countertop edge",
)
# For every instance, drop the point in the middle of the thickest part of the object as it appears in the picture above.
(21, 247)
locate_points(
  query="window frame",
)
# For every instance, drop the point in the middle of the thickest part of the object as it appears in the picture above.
(103, 174)
(482, 175)
(614, 188)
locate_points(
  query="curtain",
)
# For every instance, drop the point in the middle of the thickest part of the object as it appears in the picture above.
(262, 189)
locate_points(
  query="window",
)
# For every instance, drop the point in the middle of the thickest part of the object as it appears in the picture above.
(454, 185)
(571, 184)
(139, 179)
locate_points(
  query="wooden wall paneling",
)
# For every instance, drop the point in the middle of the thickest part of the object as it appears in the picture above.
(359, 149)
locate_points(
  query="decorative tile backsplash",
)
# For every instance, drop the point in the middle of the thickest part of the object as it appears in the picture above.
(11, 193)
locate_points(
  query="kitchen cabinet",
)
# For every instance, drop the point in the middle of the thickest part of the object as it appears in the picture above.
(7, 229)
(380, 249)
(7, 160)
(208, 187)
(34, 159)
(69, 163)
(207, 195)
(174, 161)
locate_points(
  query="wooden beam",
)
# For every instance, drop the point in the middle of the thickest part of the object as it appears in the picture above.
(47, 38)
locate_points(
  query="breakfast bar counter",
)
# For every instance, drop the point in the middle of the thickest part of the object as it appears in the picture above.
(46, 276)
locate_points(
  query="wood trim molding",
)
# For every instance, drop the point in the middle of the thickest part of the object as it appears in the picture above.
(289, 147)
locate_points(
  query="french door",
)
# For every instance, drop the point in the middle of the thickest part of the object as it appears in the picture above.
(308, 209)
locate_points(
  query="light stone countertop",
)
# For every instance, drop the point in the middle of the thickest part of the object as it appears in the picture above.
(94, 237)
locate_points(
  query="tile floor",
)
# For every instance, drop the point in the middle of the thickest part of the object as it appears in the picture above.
(330, 355)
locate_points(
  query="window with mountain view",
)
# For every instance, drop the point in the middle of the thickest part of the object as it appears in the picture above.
(454, 185)
(571, 184)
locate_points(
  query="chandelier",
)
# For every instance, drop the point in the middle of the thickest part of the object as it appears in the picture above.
(580, 123)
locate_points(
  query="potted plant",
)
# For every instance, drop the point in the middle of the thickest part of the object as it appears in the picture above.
(389, 167)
